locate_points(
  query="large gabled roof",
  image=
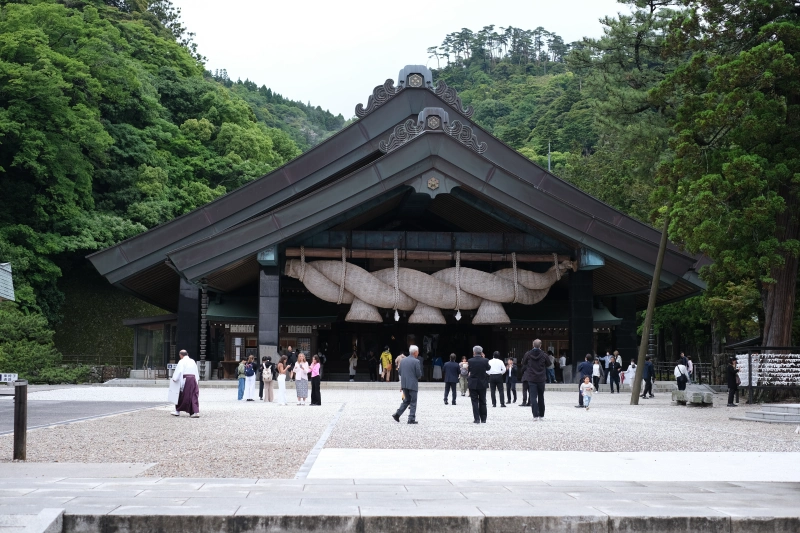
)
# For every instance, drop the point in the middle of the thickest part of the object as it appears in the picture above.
(349, 172)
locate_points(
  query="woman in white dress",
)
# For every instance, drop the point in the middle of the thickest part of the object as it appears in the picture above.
(250, 379)
(300, 373)
(282, 380)
(629, 375)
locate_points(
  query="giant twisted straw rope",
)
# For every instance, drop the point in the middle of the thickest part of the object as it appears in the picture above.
(411, 290)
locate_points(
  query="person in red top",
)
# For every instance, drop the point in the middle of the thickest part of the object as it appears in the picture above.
(316, 399)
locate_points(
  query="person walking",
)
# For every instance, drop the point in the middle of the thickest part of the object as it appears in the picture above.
(649, 374)
(372, 366)
(353, 364)
(410, 372)
(463, 377)
(497, 371)
(681, 375)
(283, 368)
(386, 364)
(316, 366)
(478, 383)
(266, 378)
(240, 377)
(183, 390)
(511, 380)
(584, 369)
(733, 380)
(451, 372)
(300, 374)
(586, 391)
(613, 374)
(536, 376)
(551, 367)
(597, 374)
(250, 380)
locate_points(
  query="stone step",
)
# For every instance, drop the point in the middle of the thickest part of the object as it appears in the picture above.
(46, 521)
(790, 408)
(769, 415)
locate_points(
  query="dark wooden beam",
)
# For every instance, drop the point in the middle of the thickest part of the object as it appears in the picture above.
(418, 255)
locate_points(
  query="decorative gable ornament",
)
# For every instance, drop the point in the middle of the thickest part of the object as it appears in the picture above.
(414, 77)
(431, 119)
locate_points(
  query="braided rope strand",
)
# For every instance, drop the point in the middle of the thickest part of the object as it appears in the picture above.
(344, 272)
(516, 277)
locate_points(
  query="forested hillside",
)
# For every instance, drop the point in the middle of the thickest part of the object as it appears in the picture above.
(683, 113)
(109, 125)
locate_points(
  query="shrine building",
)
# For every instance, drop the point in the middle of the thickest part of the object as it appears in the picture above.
(412, 225)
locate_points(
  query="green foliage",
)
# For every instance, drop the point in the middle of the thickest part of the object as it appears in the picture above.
(26, 342)
(109, 125)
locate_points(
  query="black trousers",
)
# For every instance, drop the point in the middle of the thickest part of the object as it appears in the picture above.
(447, 387)
(478, 398)
(612, 380)
(648, 387)
(373, 373)
(524, 393)
(511, 387)
(732, 393)
(260, 389)
(496, 383)
(536, 397)
(316, 398)
(596, 382)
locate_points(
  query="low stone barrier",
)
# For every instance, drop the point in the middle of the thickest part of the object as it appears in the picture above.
(684, 397)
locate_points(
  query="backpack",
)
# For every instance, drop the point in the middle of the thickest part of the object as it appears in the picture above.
(248, 370)
(464, 370)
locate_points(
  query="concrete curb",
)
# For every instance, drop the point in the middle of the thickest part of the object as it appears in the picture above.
(353, 523)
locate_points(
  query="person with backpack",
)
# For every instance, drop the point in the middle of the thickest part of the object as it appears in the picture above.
(250, 379)
(240, 377)
(463, 375)
(681, 375)
(266, 378)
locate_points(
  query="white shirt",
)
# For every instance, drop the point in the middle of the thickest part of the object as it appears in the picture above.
(496, 367)
(562, 361)
(596, 370)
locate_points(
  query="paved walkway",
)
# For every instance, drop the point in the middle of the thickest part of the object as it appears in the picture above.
(242, 505)
(518, 466)
(45, 413)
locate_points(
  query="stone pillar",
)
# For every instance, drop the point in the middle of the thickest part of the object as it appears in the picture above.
(188, 334)
(625, 333)
(269, 290)
(581, 322)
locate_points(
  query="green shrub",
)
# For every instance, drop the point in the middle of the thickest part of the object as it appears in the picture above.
(63, 374)
(26, 342)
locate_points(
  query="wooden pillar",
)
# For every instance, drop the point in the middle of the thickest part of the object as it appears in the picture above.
(581, 321)
(188, 334)
(269, 290)
(625, 338)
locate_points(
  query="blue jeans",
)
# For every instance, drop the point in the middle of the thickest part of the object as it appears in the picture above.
(551, 375)
(241, 388)
(587, 400)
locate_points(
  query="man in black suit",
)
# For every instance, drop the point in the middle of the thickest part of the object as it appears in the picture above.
(478, 383)
(451, 373)
(584, 369)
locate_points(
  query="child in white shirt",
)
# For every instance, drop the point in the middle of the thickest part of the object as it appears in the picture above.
(586, 390)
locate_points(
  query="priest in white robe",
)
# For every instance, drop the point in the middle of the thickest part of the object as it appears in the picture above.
(183, 387)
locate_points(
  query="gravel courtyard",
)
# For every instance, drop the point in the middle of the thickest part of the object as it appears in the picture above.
(257, 440)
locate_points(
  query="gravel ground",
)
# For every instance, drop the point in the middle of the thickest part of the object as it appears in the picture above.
(231, 438)
(611, 424)
(228, 440)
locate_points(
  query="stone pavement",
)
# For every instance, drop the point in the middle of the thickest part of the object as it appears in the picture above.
(244, 505)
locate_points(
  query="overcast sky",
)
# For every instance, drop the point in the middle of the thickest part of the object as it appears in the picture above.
(334, 52)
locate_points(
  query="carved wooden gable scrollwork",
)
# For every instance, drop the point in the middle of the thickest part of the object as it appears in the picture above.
(431, 119)
(380, 95)
(449, 95)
